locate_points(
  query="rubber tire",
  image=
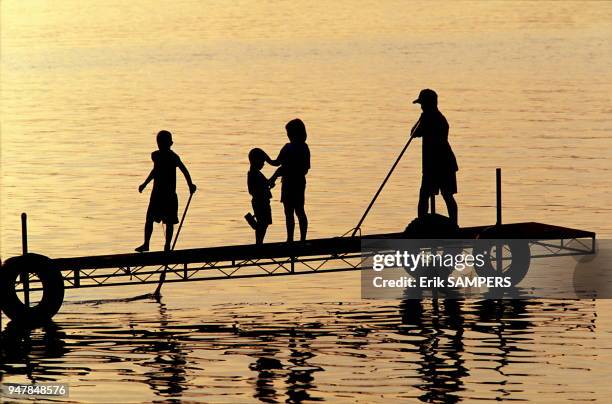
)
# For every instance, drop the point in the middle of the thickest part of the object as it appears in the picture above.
(431, 226)
(521, 259)
(52, 284)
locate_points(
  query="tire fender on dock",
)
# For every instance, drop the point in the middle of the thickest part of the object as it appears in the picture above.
(517, 252)
(51, 281)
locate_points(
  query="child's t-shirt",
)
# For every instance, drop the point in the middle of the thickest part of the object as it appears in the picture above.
(258, 185)
(165, 163)
(437, 155)
(295, 160)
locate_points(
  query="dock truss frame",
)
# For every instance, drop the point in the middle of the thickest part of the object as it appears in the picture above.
(212, 270)
(194, 266)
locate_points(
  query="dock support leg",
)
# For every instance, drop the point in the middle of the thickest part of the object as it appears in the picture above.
(25, 276)
(499, 247)
(292, 264)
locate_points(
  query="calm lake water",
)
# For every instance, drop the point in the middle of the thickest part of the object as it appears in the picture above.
(86, 85)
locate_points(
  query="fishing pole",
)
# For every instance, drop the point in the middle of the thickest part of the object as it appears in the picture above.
(162, 278)
(358, 227)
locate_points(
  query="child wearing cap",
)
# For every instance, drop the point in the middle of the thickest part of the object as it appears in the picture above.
(439, 162)
(259, 188)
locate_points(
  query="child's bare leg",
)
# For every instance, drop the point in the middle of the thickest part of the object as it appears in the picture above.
(148, 230)
(423, 206)
(260, 233)
(451, 206)
(290, 221)
(169, 233)
(301, 215)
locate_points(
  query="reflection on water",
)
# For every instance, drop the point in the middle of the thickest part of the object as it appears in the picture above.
(431, 350)
(441, 367)
(22, 352)
(166, 360)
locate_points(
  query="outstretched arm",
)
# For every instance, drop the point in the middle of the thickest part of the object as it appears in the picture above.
(142, 186)
(272, 179)
(192, 187)
(278, 160)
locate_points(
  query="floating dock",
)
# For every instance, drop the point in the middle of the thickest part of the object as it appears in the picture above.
(270, 259)
(325, 255)
(22, 275)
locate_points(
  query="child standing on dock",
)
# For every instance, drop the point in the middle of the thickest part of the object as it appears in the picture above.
(294, 162)
(259, 188)
(163, 205)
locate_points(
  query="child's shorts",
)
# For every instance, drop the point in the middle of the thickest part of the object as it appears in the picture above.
(293, 191)
(262, 210)
(163, 208)
(446, 183)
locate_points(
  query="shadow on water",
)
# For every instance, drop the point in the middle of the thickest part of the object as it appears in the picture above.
(437, 352)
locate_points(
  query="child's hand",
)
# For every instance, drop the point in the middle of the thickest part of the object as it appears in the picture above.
(192, 188)
(141, 187)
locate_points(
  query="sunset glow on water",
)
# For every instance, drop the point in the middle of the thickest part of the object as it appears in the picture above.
(85, 86)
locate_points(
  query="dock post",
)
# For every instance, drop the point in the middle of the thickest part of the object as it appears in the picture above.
(499, 196)
(25, 276)
(433, 204)
(499, 246)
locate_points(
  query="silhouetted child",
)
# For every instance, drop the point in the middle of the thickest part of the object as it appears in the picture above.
(294, 162)
(163, 205)
(259, 188)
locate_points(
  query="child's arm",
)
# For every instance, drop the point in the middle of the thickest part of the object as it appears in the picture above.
(192, 187)
(272, 179)
(142, 186)
(278, 160)
(415, 132)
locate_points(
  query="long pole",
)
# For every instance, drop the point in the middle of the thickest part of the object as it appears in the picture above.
(381, 187)
(162, 278)
(178, 231)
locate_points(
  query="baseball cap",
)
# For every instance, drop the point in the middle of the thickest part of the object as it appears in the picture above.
(425, 96)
